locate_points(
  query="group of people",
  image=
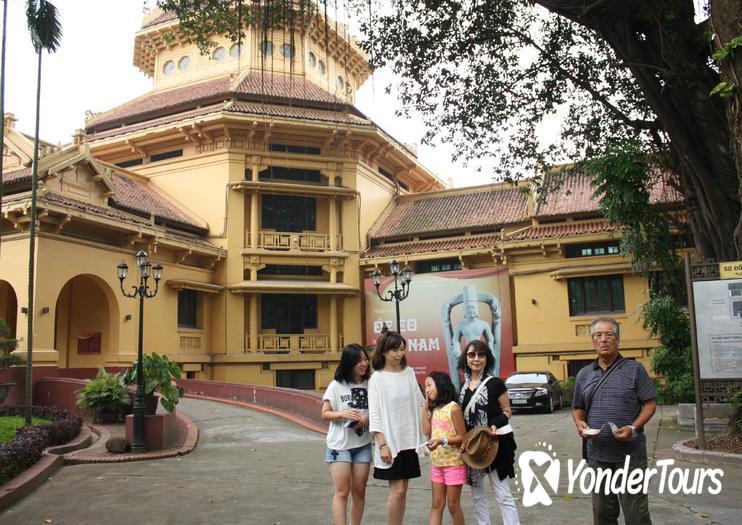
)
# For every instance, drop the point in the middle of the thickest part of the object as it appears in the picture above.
(385, 420)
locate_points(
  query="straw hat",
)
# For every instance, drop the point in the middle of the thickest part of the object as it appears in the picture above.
(481, 447)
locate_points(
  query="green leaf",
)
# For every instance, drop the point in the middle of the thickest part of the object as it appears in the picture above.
(723, 89)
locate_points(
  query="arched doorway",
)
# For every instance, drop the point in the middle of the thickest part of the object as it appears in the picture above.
(86, 323)
(8, 306)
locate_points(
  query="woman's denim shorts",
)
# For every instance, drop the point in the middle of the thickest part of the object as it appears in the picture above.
(352, 455)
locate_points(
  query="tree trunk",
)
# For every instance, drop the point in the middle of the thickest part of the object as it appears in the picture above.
(668, 58)
(726, 20)
(32, 252)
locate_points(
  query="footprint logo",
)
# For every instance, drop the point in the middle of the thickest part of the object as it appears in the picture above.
(539, 471)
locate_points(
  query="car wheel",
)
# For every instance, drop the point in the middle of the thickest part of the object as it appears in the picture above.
(550, 407)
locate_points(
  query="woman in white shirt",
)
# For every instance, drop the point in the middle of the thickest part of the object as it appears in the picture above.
(345, 406)
(394, 403)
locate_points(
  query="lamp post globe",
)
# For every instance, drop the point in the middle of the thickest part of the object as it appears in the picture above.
(401, 286)
(141, 292)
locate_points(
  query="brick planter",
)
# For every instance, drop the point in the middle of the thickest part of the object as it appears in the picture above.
(160, 431)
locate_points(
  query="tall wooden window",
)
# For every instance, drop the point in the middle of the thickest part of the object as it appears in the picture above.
(287, 213)
(288, 313)
(187, 308)
(589, 295)
(302, 379)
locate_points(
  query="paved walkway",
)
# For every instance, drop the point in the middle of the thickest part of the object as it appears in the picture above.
(252, 468)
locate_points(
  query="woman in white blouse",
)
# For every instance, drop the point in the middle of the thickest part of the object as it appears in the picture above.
(394, 404)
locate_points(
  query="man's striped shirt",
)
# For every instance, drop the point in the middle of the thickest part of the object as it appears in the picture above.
(619, 400)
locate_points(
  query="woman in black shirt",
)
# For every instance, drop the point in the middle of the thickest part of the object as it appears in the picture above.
(484, 401)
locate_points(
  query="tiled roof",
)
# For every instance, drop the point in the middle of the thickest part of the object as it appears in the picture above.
(297, 112)
(113, 213)
(147, 124)
(241, 108)
(546, 231)
(255, 86)
(449, 212)
(290, 87)
(9, 177)
(431, 246)
(572, 193)
(151, 103)
(167, 16)
(140, 196)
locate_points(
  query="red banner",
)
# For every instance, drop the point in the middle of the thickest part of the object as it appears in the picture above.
(442, 313)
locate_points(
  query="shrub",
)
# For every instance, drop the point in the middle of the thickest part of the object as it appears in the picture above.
(26, 447)
(7, 345)
(568, 389)
(159, 376)
(735, 422)
(104, 393)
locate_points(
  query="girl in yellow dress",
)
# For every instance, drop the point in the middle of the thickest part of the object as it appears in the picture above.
(443, 421)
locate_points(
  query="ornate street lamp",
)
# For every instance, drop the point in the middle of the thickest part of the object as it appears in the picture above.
(401, 290)
(141, 292)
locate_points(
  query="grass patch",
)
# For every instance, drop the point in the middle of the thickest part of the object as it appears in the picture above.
(9, 424)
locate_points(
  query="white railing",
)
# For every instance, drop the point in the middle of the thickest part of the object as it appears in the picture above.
(296, 241)
(284, 343)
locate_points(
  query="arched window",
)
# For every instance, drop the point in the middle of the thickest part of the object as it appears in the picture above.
(266, 48)
(219, 54)
(235, 50)
(287, 50)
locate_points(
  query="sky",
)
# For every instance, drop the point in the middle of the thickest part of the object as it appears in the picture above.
(92, 70)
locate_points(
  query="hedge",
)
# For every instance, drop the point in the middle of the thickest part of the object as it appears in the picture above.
(26, 447)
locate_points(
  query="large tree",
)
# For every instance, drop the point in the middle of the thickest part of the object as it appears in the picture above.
(629, 69)
(42, 19)
(485, 73)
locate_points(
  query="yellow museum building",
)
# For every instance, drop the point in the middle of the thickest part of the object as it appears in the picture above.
(249, 175)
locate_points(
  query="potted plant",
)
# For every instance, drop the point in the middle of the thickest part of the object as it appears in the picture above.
(105, 396)
(7, 345)
(159, 377)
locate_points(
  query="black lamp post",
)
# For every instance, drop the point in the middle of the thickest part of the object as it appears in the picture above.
(401, 290)
(142, 291)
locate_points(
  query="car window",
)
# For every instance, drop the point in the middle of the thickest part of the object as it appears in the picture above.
(519, 379)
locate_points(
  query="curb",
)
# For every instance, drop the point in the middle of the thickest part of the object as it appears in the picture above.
(28, 480)
(705, 457)
(304, 422)
(54, 458)
(189, 443)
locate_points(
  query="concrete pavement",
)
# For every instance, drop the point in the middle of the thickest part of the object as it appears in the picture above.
(253, 468)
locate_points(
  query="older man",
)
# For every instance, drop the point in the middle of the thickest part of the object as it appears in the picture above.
(614, 395)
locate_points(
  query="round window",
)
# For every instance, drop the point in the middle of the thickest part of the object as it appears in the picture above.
(266, 48)
(235, 50)
(312, 59)
(184, 62)
(321, 68)
(168, 67)
(219, 54)
(287, 50)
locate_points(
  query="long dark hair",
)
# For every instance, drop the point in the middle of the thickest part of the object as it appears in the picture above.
(350, 357)
(387, 341)
(478, 347)
(445, 388)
